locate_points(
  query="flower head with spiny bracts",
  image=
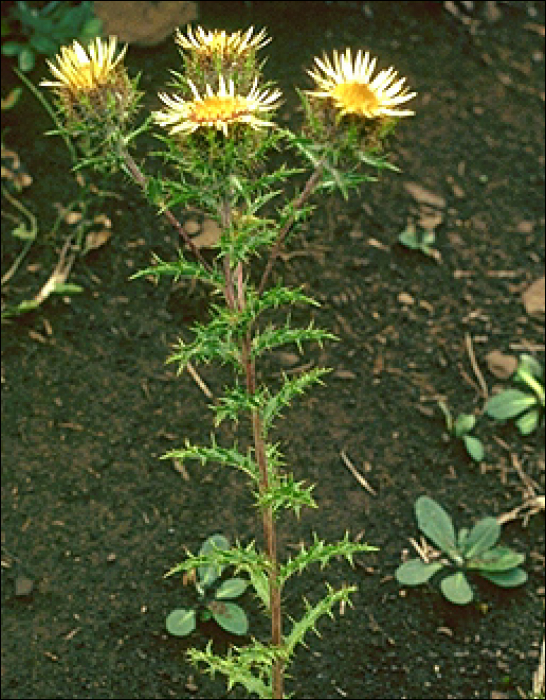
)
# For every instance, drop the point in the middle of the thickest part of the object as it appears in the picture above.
(78, 70)
(222, 109)
(216, 42)
(92, 85)
(353, 89)
(208, 54)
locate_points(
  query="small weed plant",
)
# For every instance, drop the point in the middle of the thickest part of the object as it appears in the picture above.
(524, 405)
(466, 552)
(215, 597)
(217, 127)
(460, 428)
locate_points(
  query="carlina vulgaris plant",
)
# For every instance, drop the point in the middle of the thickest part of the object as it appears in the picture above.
(219, 131)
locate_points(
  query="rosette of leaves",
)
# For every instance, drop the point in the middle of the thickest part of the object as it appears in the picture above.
(214, 595)
(525, 405)
(467, 552)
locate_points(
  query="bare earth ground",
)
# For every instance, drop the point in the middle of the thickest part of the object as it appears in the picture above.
(92, 519)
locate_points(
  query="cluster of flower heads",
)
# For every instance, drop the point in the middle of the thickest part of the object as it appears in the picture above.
(222, 86)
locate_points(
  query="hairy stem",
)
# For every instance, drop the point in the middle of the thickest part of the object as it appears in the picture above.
(268, 523)
(268, 519)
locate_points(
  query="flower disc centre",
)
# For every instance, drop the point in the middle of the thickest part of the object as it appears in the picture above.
(218, 108)
(355, 97)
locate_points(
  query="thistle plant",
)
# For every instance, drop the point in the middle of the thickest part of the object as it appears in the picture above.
(218, 130)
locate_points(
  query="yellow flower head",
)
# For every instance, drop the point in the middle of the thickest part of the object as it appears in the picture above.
(220, 43)
(80, 71)
(353, 89)
(219, 110)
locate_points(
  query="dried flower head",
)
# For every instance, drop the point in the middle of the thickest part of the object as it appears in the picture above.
(353, 89)
(219, 109)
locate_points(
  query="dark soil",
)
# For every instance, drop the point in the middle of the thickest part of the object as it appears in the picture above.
(92, 518)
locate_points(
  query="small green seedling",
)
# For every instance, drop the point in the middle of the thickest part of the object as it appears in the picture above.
(460, 428)
(214, 598)
(525, 406)
(419, 239)
(468, 551)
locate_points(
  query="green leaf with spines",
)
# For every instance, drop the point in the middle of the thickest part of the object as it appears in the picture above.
(241, 558)
(238, 248)
(238, 668)
(284, 492)
(313, 613)
(181, 268)
(275, 297)
(236, 401)
(214, 341)
(229, 456)
(272, 337)
(321, 553)
(291, 388)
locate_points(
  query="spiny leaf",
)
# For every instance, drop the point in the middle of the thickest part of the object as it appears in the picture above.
(313, 613)
(180, 268)
(272, 337)
(286, 493)
(320, 552)
(229, 456)
(291, 387)
(235, 671)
